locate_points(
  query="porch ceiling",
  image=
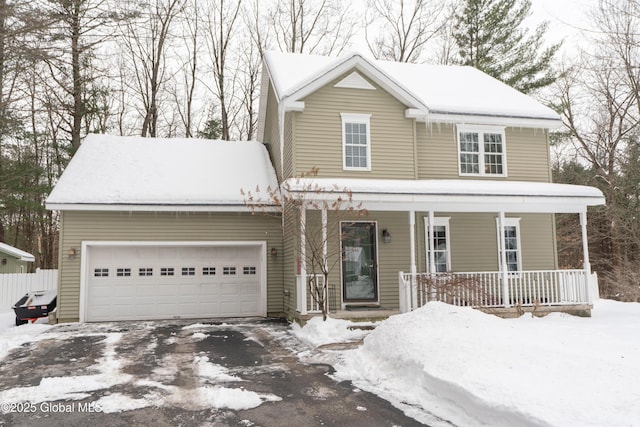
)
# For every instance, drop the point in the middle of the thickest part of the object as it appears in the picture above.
(451, 195)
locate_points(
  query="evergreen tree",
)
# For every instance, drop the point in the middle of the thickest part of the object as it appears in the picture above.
(490, 36)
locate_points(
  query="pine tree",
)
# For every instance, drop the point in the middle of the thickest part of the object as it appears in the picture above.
(490, 36)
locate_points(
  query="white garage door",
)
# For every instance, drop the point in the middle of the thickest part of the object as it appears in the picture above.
(167, 282)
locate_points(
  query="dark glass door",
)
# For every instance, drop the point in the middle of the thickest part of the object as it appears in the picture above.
(359, 262)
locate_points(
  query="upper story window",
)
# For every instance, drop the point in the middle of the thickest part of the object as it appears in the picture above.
(481, 151)
(356, 142)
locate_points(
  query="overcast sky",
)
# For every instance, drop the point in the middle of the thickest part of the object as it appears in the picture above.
(568, 19)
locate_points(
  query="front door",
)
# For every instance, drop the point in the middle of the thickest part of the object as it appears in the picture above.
(359, 262)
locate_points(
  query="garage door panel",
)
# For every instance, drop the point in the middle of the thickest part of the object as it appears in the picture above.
(127, 282)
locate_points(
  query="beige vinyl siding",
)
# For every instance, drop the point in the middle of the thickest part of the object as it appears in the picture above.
(163, 226)
(272, 131)
(318, 133)
(474, 241)
(527, 153)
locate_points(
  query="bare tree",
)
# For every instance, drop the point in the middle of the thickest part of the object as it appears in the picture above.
(311, 26)
(145, 40)
(184, 98)
(221, 24)
(600, 107)
(402, 28)
(79, 26)
(321, 237)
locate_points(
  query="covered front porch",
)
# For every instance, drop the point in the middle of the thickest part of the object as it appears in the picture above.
(510, 289)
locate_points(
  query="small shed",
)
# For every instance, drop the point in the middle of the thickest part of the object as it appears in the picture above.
(14, 260)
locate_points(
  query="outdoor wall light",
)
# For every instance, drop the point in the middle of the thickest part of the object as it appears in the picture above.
(274, 252)
(72, 253)
(386, 236)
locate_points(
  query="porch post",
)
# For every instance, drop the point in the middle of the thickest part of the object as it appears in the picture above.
(432, 259)
(585, 253)
(303, 259)
(325, 287)
(503, 260)
(412, 244)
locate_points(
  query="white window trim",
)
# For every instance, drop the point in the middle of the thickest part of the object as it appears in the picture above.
(480, 130)
(509, 222)
(356, 118)
(437, 221)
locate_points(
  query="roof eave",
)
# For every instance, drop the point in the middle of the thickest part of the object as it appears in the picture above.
(159, 207)
(493, 119)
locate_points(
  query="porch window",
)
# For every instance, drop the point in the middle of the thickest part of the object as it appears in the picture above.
(356, 144)
(481, 151)
(439, 244)
(511, 244)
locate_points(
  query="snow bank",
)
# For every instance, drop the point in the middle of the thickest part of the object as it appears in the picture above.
(317, 332)
(471, 368)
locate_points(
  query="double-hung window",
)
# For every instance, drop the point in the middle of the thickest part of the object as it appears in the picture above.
(481, 150)
(438, 246)
(510, 244)
(356, 141)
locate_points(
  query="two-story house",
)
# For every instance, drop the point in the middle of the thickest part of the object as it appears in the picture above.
(452, 166)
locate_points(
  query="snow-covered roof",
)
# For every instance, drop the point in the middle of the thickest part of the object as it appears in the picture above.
(437, 90)
(460, 195)
(151, 173)
(16, 253)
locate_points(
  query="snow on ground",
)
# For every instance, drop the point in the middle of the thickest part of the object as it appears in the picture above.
(110, 373)
(318, 332)
(13, 337)
(443, 364)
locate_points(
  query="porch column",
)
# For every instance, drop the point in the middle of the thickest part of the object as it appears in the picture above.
(412, 257)
(303, 259)
(325, 287)
(432, 259)
(503, 260)
(585, 253)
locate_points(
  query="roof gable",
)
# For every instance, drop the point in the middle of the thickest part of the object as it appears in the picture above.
(355, 81)
(136, 171)
(431, 92)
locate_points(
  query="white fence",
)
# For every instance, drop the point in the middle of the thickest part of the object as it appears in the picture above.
(14, 286)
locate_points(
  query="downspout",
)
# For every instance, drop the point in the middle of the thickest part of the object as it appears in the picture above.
(281, 114)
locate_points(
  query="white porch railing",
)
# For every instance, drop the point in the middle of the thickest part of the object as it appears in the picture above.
(305, 289)
(14, 286)
(485, 289)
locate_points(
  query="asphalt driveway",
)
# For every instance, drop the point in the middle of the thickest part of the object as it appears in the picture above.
(179, 373)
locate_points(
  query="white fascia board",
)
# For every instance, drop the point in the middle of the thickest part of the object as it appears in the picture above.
(416, 113)
(472, 119)
(361, 64)
(290, 105)
(468, 203)
(154, 208)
